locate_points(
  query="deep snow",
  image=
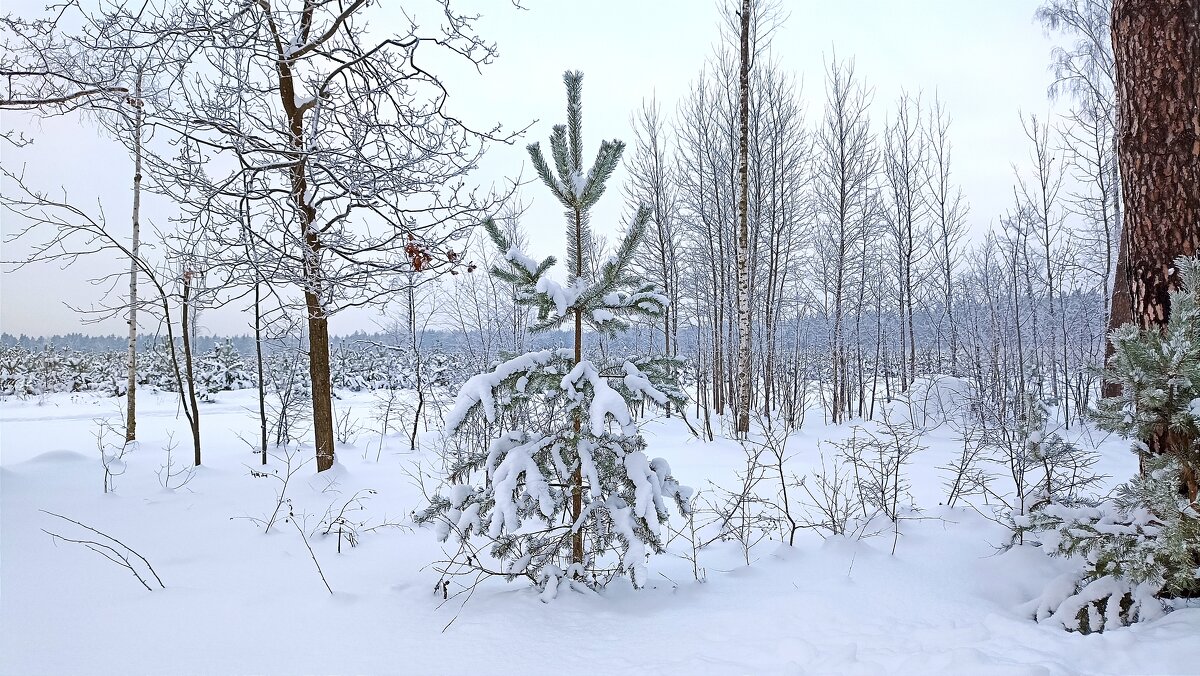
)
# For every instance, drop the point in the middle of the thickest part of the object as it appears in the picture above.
(241, 602)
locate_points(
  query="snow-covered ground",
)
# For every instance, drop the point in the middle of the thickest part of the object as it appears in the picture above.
(237, 601)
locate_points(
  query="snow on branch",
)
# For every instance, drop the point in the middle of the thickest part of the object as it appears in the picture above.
(605, 401)
(479, 390)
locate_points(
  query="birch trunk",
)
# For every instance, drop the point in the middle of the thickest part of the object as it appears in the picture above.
(743, 240)
(262, 387)
(135, 244)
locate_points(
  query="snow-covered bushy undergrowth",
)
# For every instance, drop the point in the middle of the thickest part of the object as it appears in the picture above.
(241, 601)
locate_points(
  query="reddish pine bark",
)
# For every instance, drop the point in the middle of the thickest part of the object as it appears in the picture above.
(1156, 50)
(1156, 47)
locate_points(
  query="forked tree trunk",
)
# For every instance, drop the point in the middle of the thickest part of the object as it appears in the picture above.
(262, 385)
(318, 327)
(186, 334)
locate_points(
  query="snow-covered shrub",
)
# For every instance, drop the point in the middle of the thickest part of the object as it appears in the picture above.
(222, 370)
(49, 370)
(1159, 405)
(935, 400)
(108, 371)
(1059, 470)
(225, 370)
(1134, 547)
(13, 371)
(569, 499)
(1145, 542)
(366, 366)
(156, 369)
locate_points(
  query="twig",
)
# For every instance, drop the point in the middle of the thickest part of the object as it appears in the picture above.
(311, 553)
(92, 545)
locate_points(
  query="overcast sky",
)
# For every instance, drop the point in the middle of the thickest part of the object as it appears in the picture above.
(986, 60)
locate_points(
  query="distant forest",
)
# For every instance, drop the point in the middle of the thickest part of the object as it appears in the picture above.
(244, 344)
(449, 340)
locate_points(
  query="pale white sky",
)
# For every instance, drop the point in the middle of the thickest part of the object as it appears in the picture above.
(986, 59)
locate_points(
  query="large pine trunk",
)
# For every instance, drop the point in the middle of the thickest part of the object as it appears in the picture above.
(1156, 50)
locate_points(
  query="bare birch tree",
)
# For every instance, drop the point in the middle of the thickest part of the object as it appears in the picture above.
(743, 232)
(846, 163)
(116, 67)
(652, 182)
(1039, 196)
(947, 210)
(905, 166)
